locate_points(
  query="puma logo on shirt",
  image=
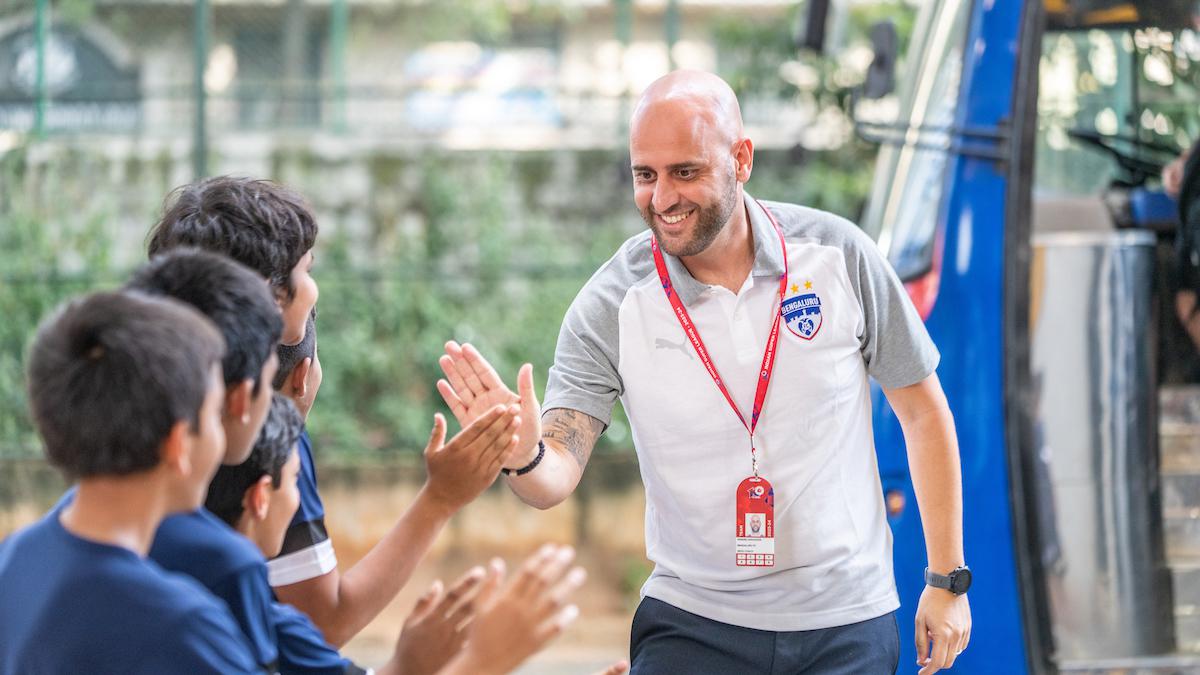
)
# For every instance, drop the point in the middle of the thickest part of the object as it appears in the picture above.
(663, 343)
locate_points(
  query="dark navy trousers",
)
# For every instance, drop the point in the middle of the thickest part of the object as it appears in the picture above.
(666, 640)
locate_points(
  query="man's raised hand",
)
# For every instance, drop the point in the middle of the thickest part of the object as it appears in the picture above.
(472, 387)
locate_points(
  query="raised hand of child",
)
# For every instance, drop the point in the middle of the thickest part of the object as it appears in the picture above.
(433, 633)
(460, 470)
(518, 618)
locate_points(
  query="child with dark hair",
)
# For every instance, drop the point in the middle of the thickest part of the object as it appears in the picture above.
(258, 498)
(237, 301)
(269, 228)
(126, 393)
(259, 223)
(263, 487)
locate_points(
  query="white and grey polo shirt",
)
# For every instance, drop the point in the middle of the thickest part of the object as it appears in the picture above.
(849, 317)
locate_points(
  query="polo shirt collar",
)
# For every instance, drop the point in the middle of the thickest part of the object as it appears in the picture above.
(768, 258)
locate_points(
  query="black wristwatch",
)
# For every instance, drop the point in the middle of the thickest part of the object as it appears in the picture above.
(957, 582)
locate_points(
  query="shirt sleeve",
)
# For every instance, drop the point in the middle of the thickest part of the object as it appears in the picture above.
(584, 376)
(894, 342)
(249, 598)
(307, 551)
(208, 642)
(302, 648)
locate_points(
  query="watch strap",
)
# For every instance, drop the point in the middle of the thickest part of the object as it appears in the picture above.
(937, 580)
(946, 581)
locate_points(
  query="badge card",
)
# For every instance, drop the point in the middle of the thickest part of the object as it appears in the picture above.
(755, 542)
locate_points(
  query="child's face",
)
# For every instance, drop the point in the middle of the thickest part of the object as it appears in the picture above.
(207, 441)
(240, 438)
(281, 507)
(296, 311)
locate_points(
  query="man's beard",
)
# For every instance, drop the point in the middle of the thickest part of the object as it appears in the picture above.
(710, 220)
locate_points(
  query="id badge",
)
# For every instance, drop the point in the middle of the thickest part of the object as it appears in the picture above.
(755, 542)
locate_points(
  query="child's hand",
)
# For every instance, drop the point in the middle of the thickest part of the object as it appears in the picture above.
(433, 634)
(517, 620)
(463, 468)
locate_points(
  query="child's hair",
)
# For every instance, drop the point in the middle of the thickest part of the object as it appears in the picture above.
(274, 446)
(290, 356)
(259, 223)
(111, 373)
(229, 294)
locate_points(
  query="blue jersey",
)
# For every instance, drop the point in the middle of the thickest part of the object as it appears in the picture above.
(69, 605)
(302, 648)
(203, 547)
(307, 552)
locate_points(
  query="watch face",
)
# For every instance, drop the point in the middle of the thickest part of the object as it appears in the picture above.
(960, 581)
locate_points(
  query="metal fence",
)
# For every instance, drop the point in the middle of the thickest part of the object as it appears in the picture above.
(456, 72)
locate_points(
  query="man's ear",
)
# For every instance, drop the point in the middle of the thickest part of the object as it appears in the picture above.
(257, 500)
(743, 156)
(237, 400)
(298, 380)
(175, 451)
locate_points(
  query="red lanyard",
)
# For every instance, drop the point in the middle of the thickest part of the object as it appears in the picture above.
(689, 328)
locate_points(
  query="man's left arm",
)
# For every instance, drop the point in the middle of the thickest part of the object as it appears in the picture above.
(943, 623)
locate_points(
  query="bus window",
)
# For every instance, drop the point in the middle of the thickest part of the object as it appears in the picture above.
(910, 177)
(1113, 106)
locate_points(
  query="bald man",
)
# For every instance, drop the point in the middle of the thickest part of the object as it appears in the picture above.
(739, 336)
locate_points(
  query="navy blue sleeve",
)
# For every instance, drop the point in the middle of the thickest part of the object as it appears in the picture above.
(249, 598)
(311, 509)
(207, 641)
(302, 648)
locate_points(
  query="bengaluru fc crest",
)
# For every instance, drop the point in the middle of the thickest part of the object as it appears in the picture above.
(802, 312)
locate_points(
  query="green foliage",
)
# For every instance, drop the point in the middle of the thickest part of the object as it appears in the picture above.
(53, 249)
(635, 570)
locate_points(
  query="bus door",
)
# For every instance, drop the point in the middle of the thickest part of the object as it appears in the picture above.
(1117, 99)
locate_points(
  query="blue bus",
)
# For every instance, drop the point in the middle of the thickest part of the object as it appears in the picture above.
(1018, 196)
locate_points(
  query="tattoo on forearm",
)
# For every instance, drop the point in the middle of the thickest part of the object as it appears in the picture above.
(576, 432)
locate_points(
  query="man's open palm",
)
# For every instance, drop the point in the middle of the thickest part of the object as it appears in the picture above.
(472, 387)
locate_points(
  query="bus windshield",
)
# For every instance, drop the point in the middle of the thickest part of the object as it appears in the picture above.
(1110, 100)
(909, 177)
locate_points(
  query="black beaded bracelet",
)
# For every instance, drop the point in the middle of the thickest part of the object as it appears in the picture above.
(530, 466)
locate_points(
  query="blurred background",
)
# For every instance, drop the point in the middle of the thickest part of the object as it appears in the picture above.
(467, 162)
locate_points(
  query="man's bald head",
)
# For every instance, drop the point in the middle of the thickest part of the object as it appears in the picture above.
(701, 97)
(689, 159)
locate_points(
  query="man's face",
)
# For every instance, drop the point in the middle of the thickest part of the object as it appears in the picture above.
(684, 176)
(296, 311)
(282, 506)
(207, 441)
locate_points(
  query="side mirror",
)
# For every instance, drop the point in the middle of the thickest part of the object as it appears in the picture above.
(810, 27)
(881, 75)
